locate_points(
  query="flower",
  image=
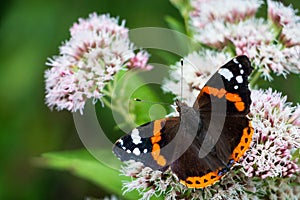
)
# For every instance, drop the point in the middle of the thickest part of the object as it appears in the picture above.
(274, 58)
(290, 35)
(275, 137)
(248, 35)
(285, 18)
(243, 35)
(280, 14)
(205, 12)
(151, 182)
(98, 48)
(139, 61)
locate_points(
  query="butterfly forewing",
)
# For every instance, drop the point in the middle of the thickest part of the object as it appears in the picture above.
(230, 84)
(145, 143)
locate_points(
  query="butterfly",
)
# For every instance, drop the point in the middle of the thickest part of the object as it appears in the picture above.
(202, 144)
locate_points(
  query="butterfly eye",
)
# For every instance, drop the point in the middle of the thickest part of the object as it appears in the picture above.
(178, 109)
(178, 104)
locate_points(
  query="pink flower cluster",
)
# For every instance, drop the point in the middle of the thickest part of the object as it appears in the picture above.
(219, 24)
(139, 61)
(276, 136)
(282, 15)
(286, 18)
(207, 11)
(98, 48)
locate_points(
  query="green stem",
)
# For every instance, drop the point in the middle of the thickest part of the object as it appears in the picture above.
(106, 103)
(115, 106)
(255, 78)
(107, 93)
(184, 8)
(186, 22)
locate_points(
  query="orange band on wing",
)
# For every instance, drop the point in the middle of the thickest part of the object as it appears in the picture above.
(244, 144)
(201, 181)
(232, 97)
(240, 106)
(160, 159)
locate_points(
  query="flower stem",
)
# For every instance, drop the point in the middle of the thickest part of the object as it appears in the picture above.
(116, 105)
(254, 78)
(106, 102)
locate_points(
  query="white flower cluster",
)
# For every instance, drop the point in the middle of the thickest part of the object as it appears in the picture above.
(207, 11)
(151, 182)
(213, 24)
(275, 137)
(98, 48)
(281, 14)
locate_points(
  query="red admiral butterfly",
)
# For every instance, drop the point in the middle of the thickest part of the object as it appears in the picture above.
(202, 144)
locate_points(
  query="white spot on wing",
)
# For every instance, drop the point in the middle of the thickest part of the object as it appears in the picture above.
(240, 66)
(239, 79)
(128, 151)
(242, 71)
(136, 138)
(235, 61)
(236, 87)
(145, 151)
(136, 151)
(226, 73)
(120, 141)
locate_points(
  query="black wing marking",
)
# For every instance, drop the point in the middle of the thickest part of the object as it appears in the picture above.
(229, 83)
(144, 143)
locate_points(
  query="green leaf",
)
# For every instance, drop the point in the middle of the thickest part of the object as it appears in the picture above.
(82, 164)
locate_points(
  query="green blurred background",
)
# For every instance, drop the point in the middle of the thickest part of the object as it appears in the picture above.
(31, 31)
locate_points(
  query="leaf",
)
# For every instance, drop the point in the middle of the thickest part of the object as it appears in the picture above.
(82, 164)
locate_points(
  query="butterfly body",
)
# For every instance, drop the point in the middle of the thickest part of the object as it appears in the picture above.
(202, 144)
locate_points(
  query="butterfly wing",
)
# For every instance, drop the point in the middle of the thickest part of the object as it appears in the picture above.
(145, 143)
(195, 171)
(224, 103)
(229, 83)
(225, 133)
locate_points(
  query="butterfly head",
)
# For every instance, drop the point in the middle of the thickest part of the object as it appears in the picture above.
(181, 106)
(186, 111)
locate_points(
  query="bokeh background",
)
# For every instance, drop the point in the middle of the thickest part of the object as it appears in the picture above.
(31, 31)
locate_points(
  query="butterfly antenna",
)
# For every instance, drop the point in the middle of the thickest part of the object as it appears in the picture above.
(181, 81)
(152, 102)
